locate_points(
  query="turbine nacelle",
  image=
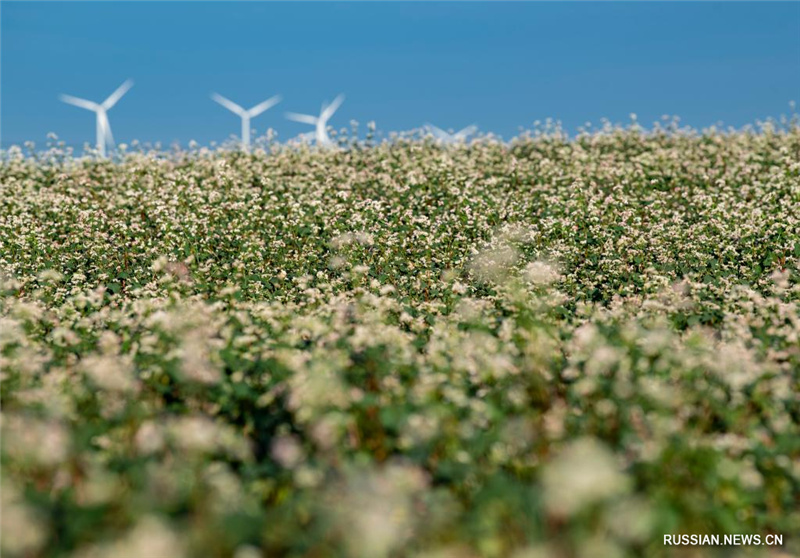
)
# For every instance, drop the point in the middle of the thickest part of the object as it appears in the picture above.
(320, 122)
(246, 115)
(104, 136)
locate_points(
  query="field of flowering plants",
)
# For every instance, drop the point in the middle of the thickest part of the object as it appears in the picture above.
(552, 347)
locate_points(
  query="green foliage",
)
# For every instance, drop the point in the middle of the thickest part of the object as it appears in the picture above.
(548, 348)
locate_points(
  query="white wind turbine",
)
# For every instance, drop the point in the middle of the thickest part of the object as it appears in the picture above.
(104, 137)
(320, 122)
(246, 115)
(448, 138)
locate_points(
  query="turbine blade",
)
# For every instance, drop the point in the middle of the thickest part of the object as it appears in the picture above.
(261, 107)
(438, 133)
(328, 111)
(228, 104)
(117, 95)
(304, 118)
(82, 103)
(468, 131)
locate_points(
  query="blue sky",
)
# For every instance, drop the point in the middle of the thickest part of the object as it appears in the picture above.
(500, 65)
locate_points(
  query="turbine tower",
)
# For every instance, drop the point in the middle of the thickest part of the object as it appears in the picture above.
(319, 122)
(104, 137)
(246, 115)
(448, 138)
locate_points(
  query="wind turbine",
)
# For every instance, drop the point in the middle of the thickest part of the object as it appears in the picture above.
(319, 122)
(104, 136)
(448, 138)
(246, 115)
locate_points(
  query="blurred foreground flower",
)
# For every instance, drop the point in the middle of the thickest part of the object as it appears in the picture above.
(585, 472)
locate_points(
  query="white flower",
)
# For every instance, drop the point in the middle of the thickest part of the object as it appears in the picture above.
(584, 472)
(151, 536)
(110, 373)
(195, 433)
(493, 264)
(287, 451)
(50, 275)
(149, 438)
(23, 531)
(541, 273)
(35, 441)
(459, 288)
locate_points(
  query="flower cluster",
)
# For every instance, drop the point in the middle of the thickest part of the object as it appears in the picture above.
(551, 347)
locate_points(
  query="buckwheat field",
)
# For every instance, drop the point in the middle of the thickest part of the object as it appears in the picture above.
(554, 347)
